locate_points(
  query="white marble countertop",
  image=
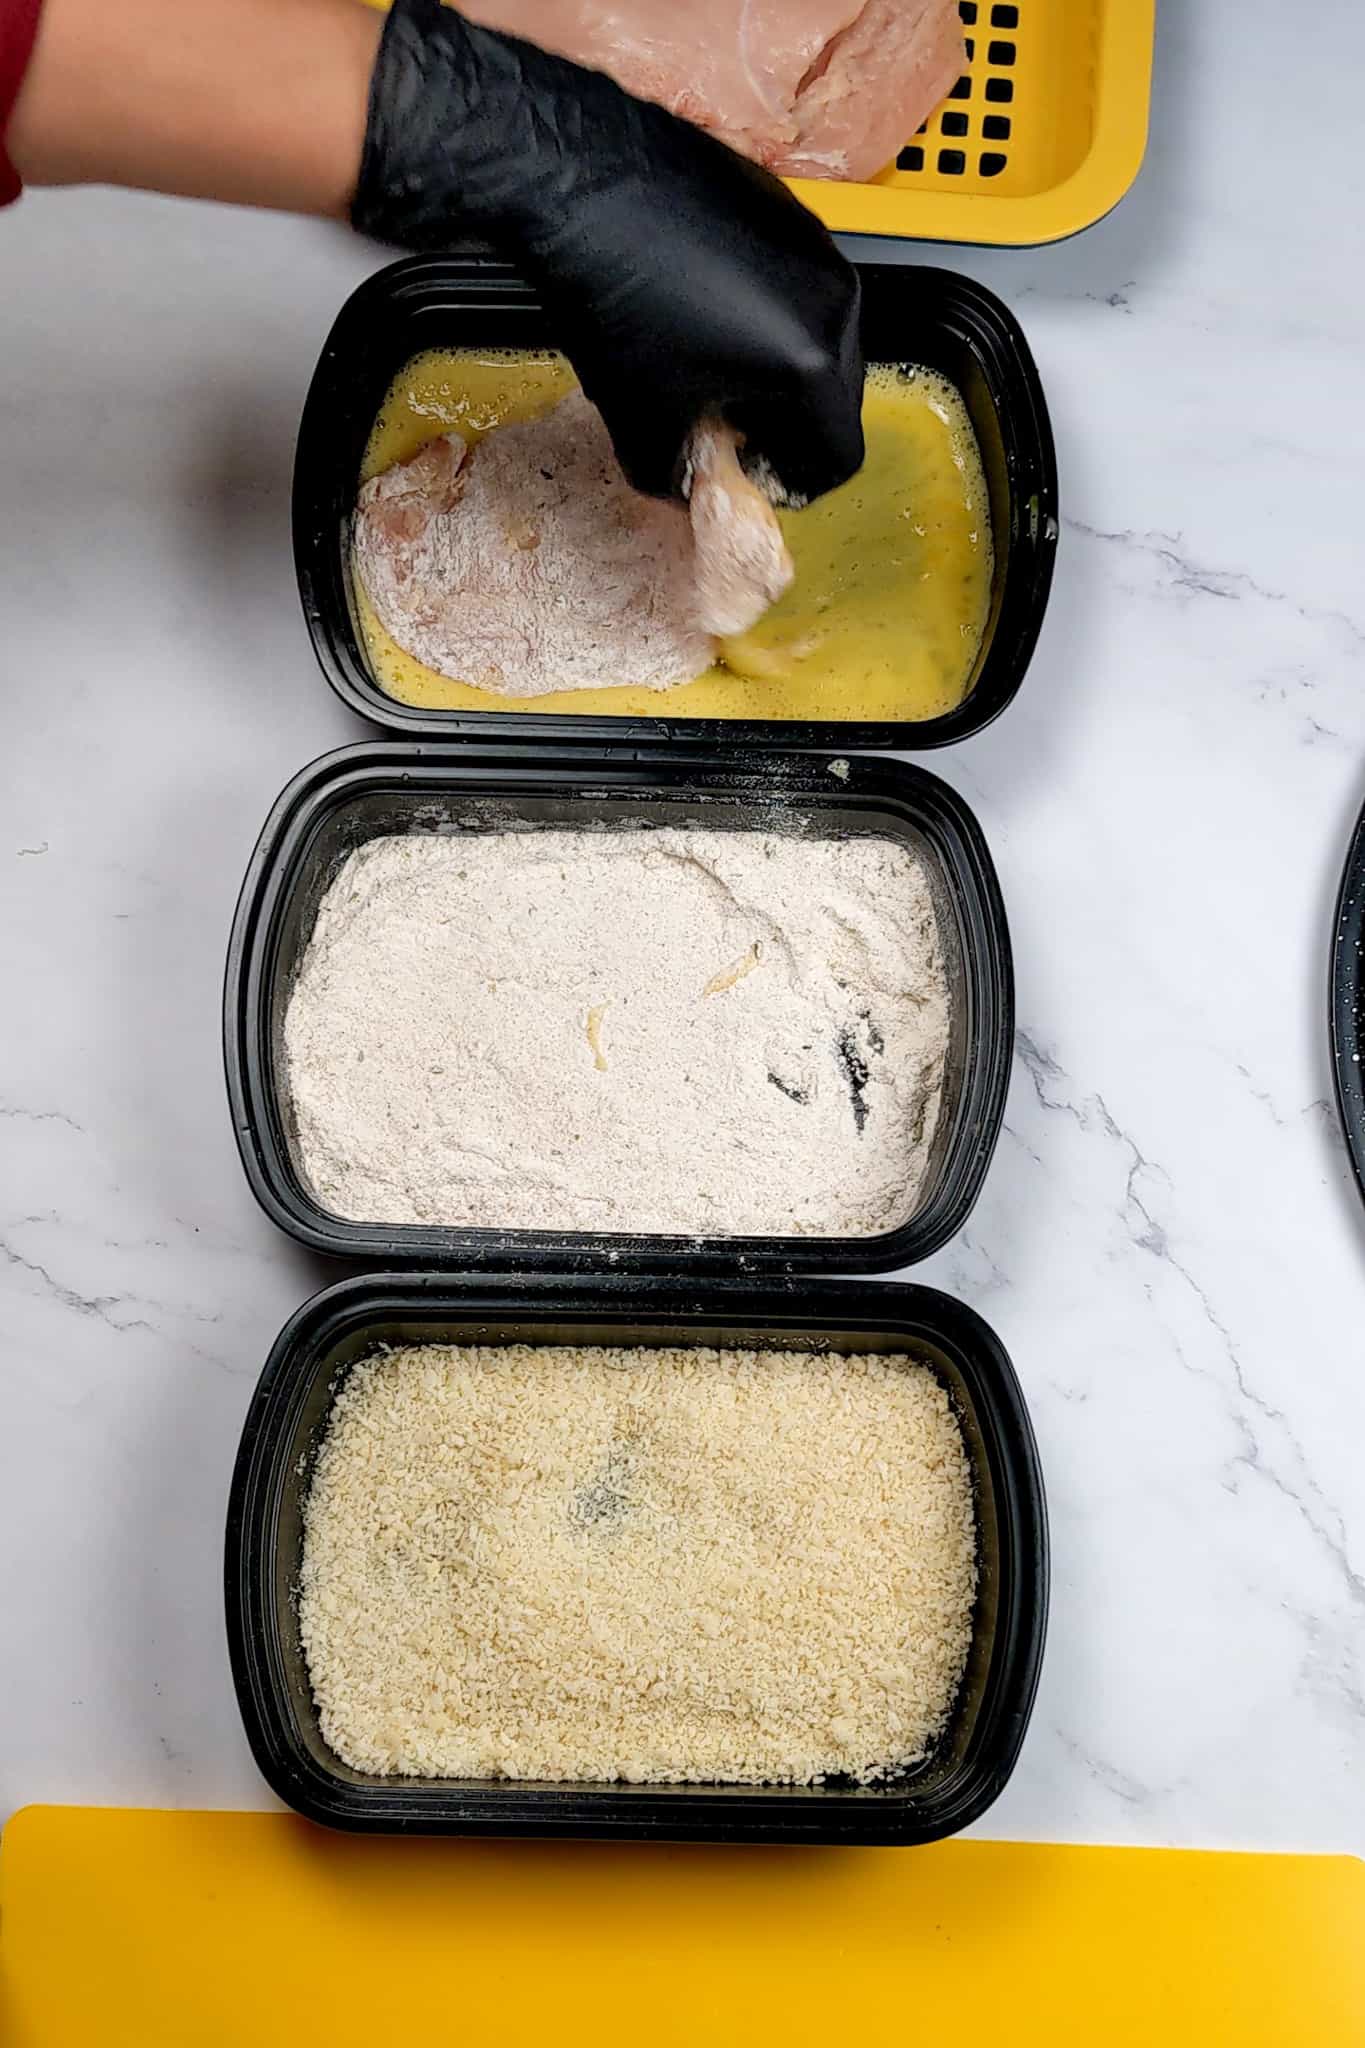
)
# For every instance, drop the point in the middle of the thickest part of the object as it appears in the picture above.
(1169, 1242)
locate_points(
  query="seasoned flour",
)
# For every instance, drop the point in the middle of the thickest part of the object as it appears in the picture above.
(705, 1033)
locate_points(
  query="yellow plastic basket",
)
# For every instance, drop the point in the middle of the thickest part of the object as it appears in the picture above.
(1043, 134)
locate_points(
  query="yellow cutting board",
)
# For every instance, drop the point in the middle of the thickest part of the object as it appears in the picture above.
(211, 1930)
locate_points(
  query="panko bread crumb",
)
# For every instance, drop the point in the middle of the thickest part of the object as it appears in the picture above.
(661, 1566)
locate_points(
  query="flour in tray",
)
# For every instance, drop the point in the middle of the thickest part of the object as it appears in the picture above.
(660, 1031)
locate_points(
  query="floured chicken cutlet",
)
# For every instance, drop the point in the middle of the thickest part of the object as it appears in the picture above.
(527, 564)
(812, 88)
(742, 563)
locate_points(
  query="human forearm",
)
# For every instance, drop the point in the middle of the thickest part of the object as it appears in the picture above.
(257, 102)
(687, 284)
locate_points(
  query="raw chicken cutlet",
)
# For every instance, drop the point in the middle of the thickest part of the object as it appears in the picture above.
(812, 88)
(527, 564)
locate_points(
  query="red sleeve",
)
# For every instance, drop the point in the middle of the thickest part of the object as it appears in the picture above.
(18, 27)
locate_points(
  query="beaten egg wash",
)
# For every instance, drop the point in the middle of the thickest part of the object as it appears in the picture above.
(893, 571)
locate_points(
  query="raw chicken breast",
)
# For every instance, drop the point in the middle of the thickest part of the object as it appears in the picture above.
(812, 88)
(527, 564)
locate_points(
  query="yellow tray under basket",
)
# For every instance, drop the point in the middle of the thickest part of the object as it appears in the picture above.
(1043, 134)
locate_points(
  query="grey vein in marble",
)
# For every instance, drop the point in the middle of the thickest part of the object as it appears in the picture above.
(1322, 1516)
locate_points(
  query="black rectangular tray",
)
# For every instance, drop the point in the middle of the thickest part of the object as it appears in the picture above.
(288, 1416)
(1346, 1001)
(910, 314)
(394, 786)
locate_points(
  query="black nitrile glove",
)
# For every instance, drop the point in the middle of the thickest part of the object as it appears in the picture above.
(682, 279)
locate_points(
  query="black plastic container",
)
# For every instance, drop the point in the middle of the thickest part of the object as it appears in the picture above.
(930, 317)
(362, 791)
(1346, 1001)
(288, 1416)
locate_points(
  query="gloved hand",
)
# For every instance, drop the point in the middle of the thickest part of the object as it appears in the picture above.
(683, 280)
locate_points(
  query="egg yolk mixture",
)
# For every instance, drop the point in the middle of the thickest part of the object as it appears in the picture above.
(893, 571)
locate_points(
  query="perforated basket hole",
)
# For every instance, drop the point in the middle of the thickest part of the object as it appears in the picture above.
(989, 63)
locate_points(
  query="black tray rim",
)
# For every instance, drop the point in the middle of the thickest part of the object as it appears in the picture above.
(1346, 1001)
